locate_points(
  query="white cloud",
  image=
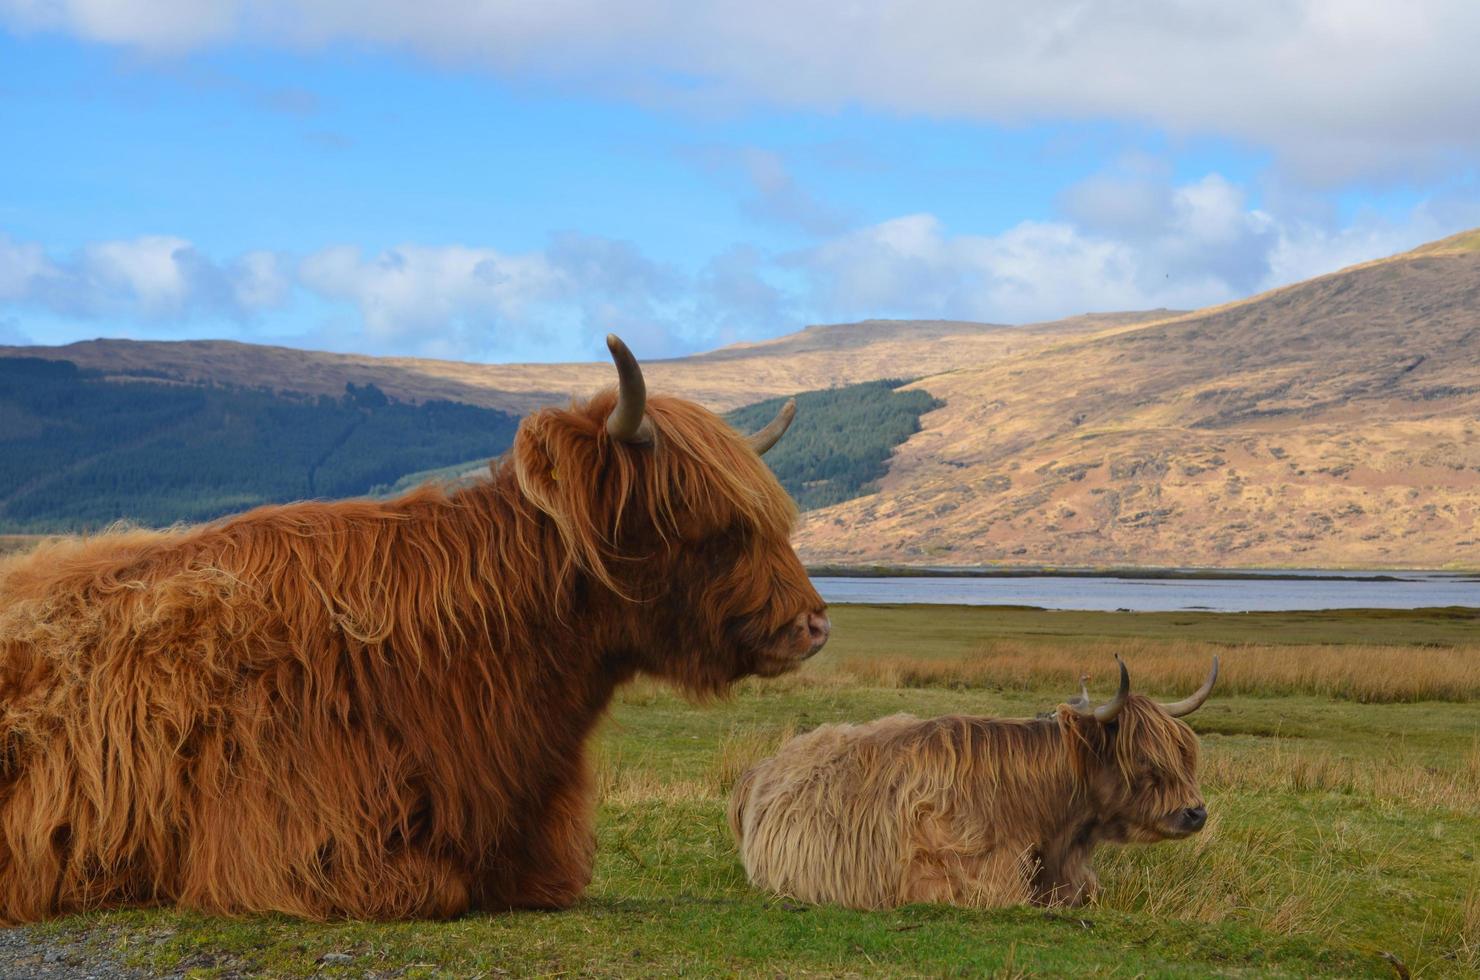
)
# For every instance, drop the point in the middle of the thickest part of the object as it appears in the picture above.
(1125, 241)
(1181, 246)
(151, 272)
(416, 289)
(157, 24)
(1340, 88)
(150, 278)
(456, 300)
(22, 266)
(259, 280)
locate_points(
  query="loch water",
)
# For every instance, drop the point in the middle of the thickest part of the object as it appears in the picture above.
(1273, 591)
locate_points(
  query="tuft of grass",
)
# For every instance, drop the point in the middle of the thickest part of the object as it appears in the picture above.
(1226, 873)
(741, 748)
(1366, 674)
(621, 781)
(1467, 931)
(1277, 769)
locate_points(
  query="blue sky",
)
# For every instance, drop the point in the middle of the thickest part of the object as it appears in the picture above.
(494, 181)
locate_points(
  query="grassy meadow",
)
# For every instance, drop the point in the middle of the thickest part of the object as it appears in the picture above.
(1341, 766)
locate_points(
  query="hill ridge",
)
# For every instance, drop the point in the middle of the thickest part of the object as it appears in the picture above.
(1331, 422)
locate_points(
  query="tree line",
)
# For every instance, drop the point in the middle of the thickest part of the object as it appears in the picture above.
(80, 452)
(840, 444)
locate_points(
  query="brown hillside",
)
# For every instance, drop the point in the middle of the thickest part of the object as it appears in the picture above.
(727, 378)
(1335, 422)
(1331, 423)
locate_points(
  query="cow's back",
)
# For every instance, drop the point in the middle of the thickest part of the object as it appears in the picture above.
(195, 729)
(892, 811)
(822, 820)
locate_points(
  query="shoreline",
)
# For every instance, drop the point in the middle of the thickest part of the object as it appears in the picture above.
(1132, 573)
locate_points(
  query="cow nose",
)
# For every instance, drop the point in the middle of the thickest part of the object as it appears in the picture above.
(1194, 817)
(818, 628)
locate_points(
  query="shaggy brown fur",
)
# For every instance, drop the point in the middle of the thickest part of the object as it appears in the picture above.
(378, 709)
(961, 810)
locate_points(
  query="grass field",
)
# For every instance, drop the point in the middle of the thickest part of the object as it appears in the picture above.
(1341, 766)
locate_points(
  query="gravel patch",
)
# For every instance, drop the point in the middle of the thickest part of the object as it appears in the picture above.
(25, 955)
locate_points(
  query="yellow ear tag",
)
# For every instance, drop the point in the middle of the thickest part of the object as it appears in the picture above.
(554, 474)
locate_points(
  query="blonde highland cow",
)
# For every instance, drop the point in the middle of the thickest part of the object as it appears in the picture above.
(965, 810)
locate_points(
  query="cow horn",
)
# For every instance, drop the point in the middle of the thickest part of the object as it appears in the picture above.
(775, 429)
(1107, 711)
(1190, 704)
(628, 422)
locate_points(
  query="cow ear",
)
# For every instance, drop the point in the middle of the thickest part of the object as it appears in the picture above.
(554, 463)
(535, 464)
(1083, 730)
(1082, 737)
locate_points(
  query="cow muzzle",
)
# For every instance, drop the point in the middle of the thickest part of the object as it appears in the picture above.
(1188, 821)
(815, 628)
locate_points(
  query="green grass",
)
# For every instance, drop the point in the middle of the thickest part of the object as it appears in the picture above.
(1340, 831)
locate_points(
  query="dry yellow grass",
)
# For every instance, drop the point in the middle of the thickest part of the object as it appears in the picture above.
(1468, 931)
(1369, 674)
(621, 780)
(1281, 769)
(1217, 875)
(624, 781)
(741, 748)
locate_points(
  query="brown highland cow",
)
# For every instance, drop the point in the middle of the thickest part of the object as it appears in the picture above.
(968, 811)
(380, 710)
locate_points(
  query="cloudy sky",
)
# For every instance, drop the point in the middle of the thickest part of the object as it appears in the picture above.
(494, 181)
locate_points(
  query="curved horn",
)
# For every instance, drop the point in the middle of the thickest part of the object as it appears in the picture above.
(1191, 703)
(774, 430)
(1107, 711)
(628, 422)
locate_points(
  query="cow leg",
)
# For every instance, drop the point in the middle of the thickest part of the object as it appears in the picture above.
(560, 849)
(943, 870)
(1070, 881)
(993, 879)
(433, 888)
(409, 885)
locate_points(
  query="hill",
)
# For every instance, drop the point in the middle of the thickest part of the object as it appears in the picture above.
(731, 377)
(81, 452)
(1331, 423)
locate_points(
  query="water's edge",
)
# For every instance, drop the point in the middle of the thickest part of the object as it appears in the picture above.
(1132, 572)
(1278, 592)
